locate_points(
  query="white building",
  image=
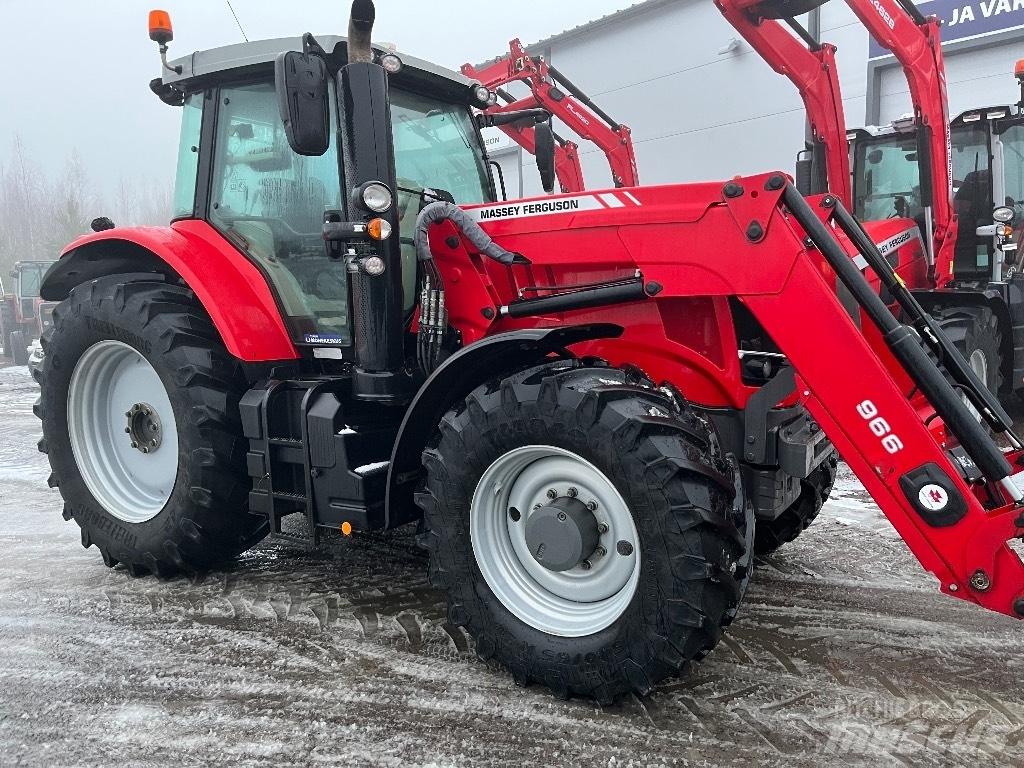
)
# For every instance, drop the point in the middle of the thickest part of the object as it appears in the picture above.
(703, 105)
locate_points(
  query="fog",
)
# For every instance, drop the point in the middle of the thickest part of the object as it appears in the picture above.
(75, 79)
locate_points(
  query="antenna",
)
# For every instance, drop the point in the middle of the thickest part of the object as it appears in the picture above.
(232, 9)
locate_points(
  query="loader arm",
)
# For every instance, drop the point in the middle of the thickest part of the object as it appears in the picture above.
(957, 525)
(916, 42)
(811, 66)
(554, 92)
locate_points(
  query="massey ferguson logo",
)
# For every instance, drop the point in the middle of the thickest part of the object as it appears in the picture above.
(886, 16)
(933, 497)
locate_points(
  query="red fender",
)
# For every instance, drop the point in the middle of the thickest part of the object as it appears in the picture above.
(231, 289)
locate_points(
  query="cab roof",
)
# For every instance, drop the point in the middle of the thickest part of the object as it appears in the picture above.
(260, 54)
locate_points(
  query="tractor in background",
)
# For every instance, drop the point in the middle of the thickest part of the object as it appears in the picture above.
(24, 314)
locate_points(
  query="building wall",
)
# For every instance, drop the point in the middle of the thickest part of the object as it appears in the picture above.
(701, 109)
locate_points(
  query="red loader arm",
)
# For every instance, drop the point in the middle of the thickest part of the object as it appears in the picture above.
(916, 42)
(811, 67)
(570, 105)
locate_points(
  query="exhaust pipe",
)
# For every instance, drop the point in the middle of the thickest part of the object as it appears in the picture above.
(360, 28)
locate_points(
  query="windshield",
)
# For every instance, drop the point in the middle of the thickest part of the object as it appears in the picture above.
(30, 279)
(1012, 137)
(887, 182)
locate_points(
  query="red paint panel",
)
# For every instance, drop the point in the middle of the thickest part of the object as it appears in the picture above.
(230, 288)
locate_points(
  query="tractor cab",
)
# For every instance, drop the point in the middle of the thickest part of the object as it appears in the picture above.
(987, 158)
(237, 171)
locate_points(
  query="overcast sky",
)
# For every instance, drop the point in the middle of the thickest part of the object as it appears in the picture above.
(75, 73)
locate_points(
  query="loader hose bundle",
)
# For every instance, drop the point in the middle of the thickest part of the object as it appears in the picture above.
(433, 320)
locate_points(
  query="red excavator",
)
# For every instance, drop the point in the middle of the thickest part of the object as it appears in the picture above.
(553, 92)
(592, 411)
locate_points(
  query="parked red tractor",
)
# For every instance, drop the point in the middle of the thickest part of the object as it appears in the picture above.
(594, 411)
(24, 315)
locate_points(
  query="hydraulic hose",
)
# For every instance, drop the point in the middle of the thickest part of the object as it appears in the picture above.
(442, 211)
(433, 320)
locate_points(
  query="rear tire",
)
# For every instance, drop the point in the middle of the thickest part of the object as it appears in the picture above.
(104, 336)
(19, 348)
(663, 462)
(795, 519)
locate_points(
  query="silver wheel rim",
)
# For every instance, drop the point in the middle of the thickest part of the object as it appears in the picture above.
(979, 364)
(573, 603)
(111, 387)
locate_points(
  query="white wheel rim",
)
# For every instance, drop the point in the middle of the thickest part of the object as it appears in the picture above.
(573, 603)
(109, 381)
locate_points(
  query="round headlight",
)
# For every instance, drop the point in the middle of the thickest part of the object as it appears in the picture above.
(391, 63)
(1003, 214)
(374, 266)
(482, 95)
(377, 197)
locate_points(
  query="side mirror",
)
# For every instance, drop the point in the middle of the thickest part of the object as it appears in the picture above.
(545, 141)
(1004, 214)
(301, 83)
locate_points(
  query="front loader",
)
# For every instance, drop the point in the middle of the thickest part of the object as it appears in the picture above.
(590, 409)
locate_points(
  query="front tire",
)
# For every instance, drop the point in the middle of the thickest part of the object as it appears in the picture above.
(650, 472)
(141, 426)
(797, 518)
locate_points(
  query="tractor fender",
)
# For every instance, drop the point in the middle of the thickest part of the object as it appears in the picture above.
(232, 290)
(453, 381)
(988, 297)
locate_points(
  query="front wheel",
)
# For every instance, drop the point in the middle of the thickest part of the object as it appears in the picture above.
(139, 404)
(586, 528)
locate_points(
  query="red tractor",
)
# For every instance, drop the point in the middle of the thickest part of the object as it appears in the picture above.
(596, 412)
(24, 315)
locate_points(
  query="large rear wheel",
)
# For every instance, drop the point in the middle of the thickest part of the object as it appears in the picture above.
(586, 528)
(7, 324)
(140, 416)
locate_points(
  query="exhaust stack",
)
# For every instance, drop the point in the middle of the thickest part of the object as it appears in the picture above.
(360, 29)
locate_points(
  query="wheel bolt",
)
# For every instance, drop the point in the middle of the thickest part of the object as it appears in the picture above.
(624, 548)
(981, 582)
(600, 551)
(561, 517)
(602, 528)
(145, 450)
(154, 427)
(592, 506)
(552, 494)
(127, 430)
(585, 565)
(153, 443)
(573, 493)
(536, 507)
(128, 414)
(134, 444)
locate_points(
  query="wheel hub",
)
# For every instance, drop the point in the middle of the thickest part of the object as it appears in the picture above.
(144, 430)
(562, 535)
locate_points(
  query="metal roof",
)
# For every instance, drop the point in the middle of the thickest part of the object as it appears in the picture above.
(592, 26)
(257, 52)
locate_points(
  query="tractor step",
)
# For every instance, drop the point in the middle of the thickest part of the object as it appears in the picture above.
(308, 457)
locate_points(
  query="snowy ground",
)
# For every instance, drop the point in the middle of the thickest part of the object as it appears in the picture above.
(843, 652)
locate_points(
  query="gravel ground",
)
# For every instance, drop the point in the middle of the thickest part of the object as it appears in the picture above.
(843, 651)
